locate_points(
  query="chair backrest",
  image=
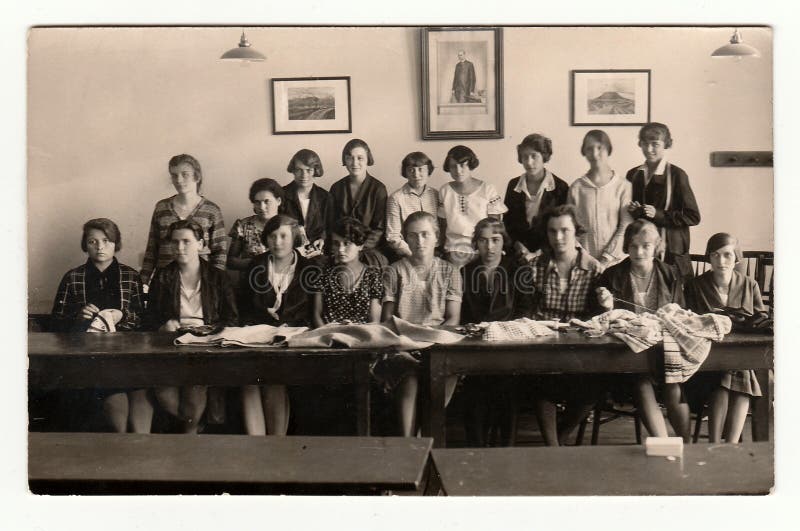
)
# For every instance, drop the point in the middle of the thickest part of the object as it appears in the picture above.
(699, 264)
(760, 266)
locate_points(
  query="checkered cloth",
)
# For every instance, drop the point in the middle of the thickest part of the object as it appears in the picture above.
(517, 330)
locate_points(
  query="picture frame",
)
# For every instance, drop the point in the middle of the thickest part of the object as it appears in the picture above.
(610, 97)
(311, 105)
(462, 82)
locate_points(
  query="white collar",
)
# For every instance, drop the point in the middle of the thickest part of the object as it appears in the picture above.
(661, 169)
(548, 184)
(410, 191)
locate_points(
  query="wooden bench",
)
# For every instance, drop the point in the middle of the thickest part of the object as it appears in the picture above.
(110, 463)
(603, 470)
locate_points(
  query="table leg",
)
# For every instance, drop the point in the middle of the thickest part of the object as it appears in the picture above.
(434, 424)
(362, 382)
(762, 407)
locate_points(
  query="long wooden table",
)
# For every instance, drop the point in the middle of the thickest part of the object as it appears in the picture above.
(149, 359)
(604, 470)
(575, 353)
(106, 463)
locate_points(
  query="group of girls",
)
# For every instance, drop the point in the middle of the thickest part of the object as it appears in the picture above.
(449, 251)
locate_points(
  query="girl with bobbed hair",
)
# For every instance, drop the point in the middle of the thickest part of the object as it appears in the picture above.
(266, 195)
(187, 203)
(305, 201)
(103, 295)
(724, 287)
(363, 197)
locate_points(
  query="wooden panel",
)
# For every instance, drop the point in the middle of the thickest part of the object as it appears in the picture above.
(605, 470)
(296, 463)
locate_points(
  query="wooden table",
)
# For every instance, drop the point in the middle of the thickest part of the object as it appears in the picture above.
(575, 353)
(105, 463)
(149, 359)
(604, 470)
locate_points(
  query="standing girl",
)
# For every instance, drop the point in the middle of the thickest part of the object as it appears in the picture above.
(465, 201)
(601, 200)
(187, 178)
(306, 202)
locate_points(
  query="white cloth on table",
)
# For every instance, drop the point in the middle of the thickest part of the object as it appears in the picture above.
(516, 330)
(245, 336)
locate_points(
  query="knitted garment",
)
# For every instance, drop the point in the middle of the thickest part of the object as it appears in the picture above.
(686, 336)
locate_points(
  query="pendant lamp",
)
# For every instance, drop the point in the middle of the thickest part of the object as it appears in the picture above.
(736, 48)
(243, 52)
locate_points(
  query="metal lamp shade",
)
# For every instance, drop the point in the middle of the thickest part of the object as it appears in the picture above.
(243, 52)
(736, 48)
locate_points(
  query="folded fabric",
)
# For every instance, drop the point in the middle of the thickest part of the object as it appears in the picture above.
(686, 336)
(245, 336)
(516, 330)
(394, 333)
(103, 322)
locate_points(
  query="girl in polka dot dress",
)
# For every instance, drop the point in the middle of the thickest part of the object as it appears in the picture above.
(348, 291)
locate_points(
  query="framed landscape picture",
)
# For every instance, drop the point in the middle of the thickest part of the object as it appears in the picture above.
(462, 83)
(610, 97)
(303, 105)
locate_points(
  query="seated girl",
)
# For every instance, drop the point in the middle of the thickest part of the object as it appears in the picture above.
(414, 196)
(306, 202)
(561, 282)
(276, 294)
(186, 293)
(348, 291)
(266, 195)
(104, 295)
(531, 193)
(463, 202)
(490, 295)
(724, 287)
(643, 283)
(362, 196)
(424, 290)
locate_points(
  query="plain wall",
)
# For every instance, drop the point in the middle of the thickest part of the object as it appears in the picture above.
(107, 108)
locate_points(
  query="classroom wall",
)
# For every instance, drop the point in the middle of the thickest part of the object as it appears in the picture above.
(107, 108)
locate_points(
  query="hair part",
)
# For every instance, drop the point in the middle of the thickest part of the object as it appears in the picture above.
(655, 131)
(191, 161)
(459, 154)
(420, 216)
(351, 229)
(720, 240)
(353, 144)
(538, 143)
(279, 220)
(497, 226)
(187, 224)
(308, 158)
(414, 159)
(641, 226)
(108, 227)
(598, 135)
(266, 185)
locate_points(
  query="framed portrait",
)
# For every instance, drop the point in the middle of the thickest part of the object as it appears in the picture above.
(610, 97)
(305, 105)
(462, 83)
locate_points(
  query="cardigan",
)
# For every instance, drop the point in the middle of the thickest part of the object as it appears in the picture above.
(743, 294)
(516, 220)
(216, 294)
(682, 213)
(617, 279)
(500, 302)
(319, 220)
(368, 206)
(71, 297)
(259, 295)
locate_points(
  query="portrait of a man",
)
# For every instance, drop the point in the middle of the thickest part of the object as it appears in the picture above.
(463, 79)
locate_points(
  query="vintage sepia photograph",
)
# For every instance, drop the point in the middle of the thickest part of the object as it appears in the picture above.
(463, 261)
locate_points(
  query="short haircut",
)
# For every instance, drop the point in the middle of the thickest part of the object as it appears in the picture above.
(420, 216)
(357, 143)
(655, 131)
(188, 224)
(598, 136)
(351, 229)
(497, 226)
(265, 185)
(309, 158)
(459, 154)
(108, 227)
(191, 161)
(279, 220)
(557, 212)
(414, 159)
(538, 143)
(720, 240)
(637, 227)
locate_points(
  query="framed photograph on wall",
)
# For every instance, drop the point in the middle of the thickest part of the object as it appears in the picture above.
(462, 83)
(304, 105)
(610, 97)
